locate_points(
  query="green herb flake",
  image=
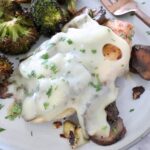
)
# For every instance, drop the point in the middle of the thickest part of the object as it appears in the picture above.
(104, 128)
(69, 41)
(46, 105)
(33, 74)
(131, 110)
(94, 51)
(82, 50)
(123, 35)
(143, 3)
(108, 30)
(45, 56)
(62, 39)
(148, 32)
(1, 106)
(49, 92)
(93, 74)
(53, 68)
(97, 84)
(114, 130)
(40, 76)
(15, 112)
(2, 129)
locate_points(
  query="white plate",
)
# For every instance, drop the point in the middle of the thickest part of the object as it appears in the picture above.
(18, 133)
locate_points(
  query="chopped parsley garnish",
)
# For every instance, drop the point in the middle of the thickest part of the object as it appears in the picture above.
(1, 106)
(53, 68)
(15, 112)
(94, 51)
(109, 30)
(2, 129)
(104, 128)
(130, 37)
(93, 74)
(69, 41)
(96, 84)
(49, 92)
(41, 76)
(46, 105)
(131, 110)
(82, 50)
(62, 39)
(33, 74)
(45, 56)
(148, 32)
(114, 130)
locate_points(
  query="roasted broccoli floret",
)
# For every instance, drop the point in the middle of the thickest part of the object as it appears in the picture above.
(69, 5)
(6, 69)
(17, 30)
(49, 16)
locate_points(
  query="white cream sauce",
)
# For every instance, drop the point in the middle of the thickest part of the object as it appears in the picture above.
(70, 71)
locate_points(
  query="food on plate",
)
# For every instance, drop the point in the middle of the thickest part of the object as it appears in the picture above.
(14, 111)
(57, 124)
(140, 61)
(6, 69)
(17, 30)
(49, 16)
(4, 90)
(122, 28)
(96, 14)
(74, 134)
(137, 92)
(117, 131)
(71, 75)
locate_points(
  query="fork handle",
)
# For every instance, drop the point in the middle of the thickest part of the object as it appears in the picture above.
(145, 18)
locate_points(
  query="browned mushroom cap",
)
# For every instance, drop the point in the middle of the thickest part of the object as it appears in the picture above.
(4, 90)
(140, 61)
(117, 129)
(117, 132)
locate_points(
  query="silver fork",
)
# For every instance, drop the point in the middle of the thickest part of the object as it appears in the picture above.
(121, 7)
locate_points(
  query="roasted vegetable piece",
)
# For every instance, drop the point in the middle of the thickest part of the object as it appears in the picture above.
(117, 129)
(17, 31)
(48, 16)
(137, 92)
(140, 61)
(73, 134)
(69, 5)
(6, 69)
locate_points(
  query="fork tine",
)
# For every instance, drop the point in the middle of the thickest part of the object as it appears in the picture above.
(113, 5)
(107, 2)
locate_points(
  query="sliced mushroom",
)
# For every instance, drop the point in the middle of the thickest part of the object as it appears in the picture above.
(116, 127)
(117, 132)
(140, 61)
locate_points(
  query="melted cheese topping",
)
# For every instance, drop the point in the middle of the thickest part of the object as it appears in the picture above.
(70, 71)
